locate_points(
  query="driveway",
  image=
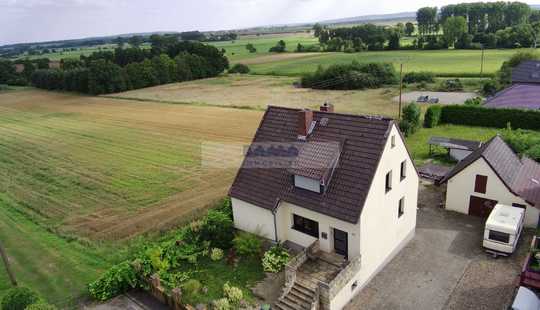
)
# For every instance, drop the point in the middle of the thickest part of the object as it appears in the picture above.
(444, 266)
(444, 97)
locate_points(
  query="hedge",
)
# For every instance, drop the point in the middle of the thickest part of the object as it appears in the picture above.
(488, 117)
(433, 116)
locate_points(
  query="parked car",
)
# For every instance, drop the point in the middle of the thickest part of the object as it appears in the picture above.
(422, 99)
(503, 229)
(433, 100)
(526, 300)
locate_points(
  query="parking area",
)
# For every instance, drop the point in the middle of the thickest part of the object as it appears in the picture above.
(444, 266)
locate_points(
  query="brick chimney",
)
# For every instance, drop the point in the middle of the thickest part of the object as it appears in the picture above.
(305, 117)
(327, 107)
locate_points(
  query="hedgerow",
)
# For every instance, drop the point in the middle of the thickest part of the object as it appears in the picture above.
(488, 117)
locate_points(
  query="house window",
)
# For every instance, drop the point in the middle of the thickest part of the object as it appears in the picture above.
(499, 236)
(306, 226)
(393, 141)
(480, 184)
(403, 170)
(518, 205)
(401, 207)
(388, 184)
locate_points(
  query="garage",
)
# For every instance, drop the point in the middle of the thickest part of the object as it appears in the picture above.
(481, 206)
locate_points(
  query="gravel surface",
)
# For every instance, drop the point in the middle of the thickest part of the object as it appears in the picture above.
(444, 266)
(444, 97)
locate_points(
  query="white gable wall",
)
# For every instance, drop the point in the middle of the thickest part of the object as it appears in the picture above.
(251, 218)
(461, 186)
(382, 233)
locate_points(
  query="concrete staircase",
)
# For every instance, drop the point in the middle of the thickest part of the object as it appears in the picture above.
(300, 297)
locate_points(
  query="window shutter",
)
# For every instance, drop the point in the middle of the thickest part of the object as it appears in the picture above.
(480, 184)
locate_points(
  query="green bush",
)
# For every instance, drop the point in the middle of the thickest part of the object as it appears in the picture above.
(19, 298)
(451, 85)
(490, 87)
(221, 304)
(41, 306)
(488, 117)
(247, 244)
(534, 152)
(433, 116)
(476, 101)
(239, 68)
(523, 142)
(218, 229)
(411, 119)
(417, 77)
(191, 288)
(275, 259)
(216, 254)
(351, 76)
(232, 293)
(117, 280)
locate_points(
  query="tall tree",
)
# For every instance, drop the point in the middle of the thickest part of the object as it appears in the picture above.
(135, 41)
(317, 28)
(409, 29)
(453, 28)
(427, 20)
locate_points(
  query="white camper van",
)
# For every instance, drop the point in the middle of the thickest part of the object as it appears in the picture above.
(503, 228)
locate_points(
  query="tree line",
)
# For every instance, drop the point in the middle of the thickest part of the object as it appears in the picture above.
(132, 68)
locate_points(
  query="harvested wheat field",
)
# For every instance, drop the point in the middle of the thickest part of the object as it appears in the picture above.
(110, 169)
(257, 92)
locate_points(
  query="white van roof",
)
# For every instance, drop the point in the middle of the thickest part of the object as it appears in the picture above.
(505, 219)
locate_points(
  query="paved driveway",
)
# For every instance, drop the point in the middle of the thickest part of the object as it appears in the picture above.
(444, 266)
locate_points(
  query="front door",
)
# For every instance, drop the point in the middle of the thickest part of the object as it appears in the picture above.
(341, 243)
(481, 206)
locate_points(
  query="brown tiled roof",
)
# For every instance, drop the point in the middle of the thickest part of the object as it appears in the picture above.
(519, 175)
(362, 141)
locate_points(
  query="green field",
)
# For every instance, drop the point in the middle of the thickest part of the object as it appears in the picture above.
(443, 62)
(236, 50)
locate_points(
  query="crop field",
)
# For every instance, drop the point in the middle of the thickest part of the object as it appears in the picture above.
(109, 169)
(443, 62)
(257, 92)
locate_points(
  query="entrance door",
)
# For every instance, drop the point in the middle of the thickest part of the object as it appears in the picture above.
(481, 206)
(341, 244)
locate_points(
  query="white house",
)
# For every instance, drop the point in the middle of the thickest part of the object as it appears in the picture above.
(344, 183)
(494, 174)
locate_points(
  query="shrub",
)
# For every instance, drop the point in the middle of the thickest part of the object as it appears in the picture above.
(225, 206)
(476, 101)
(487, 117)
(247, 244)
(351, 76)
(218, 229)
(411, 119)
(216, 254)
(451, 85)
(191, 288)
(534, 152)
(521, 141)
(505, 74)
(275, 259)
(221, 304)
(417, 77)
(117, 280)
(232, 293)
(239, 68)
(19, 298)
(279, 48)
(41, 306)
(433, 116)
(490, 87)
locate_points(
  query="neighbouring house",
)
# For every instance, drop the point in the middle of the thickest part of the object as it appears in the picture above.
(494, 174)
(517, 96)
(458, 149)
(524, 93)
(342, 186)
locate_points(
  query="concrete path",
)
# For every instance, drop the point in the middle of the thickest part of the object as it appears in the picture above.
(444, 267)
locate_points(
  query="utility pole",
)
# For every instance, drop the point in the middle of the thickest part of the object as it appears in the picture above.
(482, 63)
(400, 88)
(8, 268)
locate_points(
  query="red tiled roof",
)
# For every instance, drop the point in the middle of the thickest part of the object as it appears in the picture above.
(362, 140)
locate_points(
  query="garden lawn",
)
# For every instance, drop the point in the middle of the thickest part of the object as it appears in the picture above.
(418, 142)
(54, 267)
(441, 62)
(214, 274)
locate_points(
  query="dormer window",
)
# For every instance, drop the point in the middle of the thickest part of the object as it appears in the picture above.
(308, 184)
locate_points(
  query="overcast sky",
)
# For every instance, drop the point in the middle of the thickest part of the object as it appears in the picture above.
(45, 20)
